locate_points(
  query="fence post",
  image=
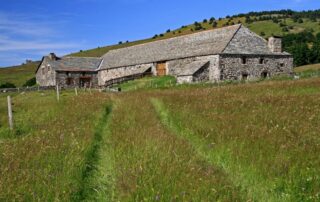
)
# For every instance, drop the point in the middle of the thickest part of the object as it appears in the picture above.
(10, 115)
(76, 91)
(58, 93)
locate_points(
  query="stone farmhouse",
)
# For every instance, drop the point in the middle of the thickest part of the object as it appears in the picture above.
(229, 53)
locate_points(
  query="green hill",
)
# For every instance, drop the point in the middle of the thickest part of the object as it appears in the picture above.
(18, 75)
(297, 28)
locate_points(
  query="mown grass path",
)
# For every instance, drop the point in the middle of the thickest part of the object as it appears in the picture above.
(151, 164)
(251, 183)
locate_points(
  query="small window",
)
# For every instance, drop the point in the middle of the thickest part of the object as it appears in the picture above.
(261, 61)
(244, 60)
(83, 73)
(281, 64)
(221, 74)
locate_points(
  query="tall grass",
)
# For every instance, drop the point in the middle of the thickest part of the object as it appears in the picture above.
(45, 162)
(264, 136)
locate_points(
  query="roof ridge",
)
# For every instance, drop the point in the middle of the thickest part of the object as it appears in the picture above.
(186, 35)
(80, 57)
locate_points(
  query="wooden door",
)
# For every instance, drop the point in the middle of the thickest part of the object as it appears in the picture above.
(161, 69)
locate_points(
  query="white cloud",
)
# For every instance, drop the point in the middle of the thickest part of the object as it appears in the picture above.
(24, 36)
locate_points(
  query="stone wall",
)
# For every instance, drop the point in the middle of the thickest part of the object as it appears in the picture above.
(45, 75)
(73, 79)
(202, 75)
(184, 79)
(232, 67)
(109, 74)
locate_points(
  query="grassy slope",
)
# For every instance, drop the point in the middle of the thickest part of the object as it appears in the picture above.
(236, 142)
(18, 75)
(268, 27)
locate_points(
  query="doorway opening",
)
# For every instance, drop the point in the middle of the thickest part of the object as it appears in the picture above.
(264, 75)
(161, 68)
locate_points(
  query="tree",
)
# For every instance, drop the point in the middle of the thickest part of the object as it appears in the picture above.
(120, 42)
(7, 85)
(168, 30)
(214, 24)
(205, 21)
(30, 82)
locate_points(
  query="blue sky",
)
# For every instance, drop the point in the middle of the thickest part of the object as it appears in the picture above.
(30, 29)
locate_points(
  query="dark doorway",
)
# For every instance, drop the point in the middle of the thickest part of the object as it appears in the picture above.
(264, 75)
(85, 82)
(245, 76)
(69, 81)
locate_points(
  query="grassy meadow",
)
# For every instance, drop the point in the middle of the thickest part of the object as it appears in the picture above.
(236, 142)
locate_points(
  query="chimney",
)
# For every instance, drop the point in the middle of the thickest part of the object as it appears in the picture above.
(275, 44)
(53, 56)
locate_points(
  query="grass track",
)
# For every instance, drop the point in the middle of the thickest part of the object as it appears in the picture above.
(153, 164)
(252, 184)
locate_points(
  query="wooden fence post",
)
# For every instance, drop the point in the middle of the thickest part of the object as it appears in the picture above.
(58, 93)
(10, 115)
(76, 91)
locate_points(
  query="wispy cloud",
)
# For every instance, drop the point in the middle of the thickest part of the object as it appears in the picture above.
(22, 35)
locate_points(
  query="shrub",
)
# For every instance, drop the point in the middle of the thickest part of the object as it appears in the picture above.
(205, 21)
(168, 30)
(30, 82)
(120, 42)
(262, 34)
(7, 85)
(300, 20)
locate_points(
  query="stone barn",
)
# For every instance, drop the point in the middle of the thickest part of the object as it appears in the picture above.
(68, 71)
(229, 53)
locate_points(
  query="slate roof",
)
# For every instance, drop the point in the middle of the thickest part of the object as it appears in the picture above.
(248, 42)
(198, 44)
(190, 68)
(74, 63)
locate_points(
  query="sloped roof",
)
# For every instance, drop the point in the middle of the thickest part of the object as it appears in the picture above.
(248, 42)
(190, 68)
(75, 63)
(198, 44)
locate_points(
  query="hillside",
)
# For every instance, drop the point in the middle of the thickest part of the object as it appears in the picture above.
(18, 75)
(244, 142)
(281, 23)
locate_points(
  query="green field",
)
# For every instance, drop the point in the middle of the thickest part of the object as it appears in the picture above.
(18, 75)
(237, 142)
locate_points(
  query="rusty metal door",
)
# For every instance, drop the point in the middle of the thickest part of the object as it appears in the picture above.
(161, 69)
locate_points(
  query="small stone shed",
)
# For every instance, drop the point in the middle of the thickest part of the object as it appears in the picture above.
(68, 71)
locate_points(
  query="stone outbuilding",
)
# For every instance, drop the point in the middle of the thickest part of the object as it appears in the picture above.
(229, 53)
(68, 71)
